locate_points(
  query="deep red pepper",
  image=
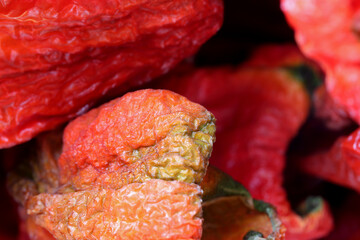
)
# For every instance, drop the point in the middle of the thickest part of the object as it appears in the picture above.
(56, 60)
(328, 32)
(258, 110)
(340, 163)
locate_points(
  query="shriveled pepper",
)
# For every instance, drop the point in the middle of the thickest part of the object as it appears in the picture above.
(142, 135)
(228, 209)
(138, 157)
(57, 60)
(339, 164)
(259, 107)
(230, 212)
(155, 209)
(331, 41)
(177, 132)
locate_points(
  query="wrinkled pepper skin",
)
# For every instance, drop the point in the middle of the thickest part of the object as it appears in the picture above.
(339, 164)
(230, 212)
(153, 145)
(224, 201)
(155, 209)
(142, 135)
(258, 110)
(57, 60)
(333, 42)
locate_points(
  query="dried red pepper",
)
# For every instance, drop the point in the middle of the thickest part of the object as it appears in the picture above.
(125, 213)
(230, 212)
(339, 164)
(58, 59)
(142, 135)
(114, 176)
(333, 42)
(167, 132)
(228, 205)
(258, 110)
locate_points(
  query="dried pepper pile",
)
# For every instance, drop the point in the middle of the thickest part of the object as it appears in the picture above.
(109, 183)
(76, 52)
(125, 195)
(341, 65)
(333, 42)
(262, 145)
(259, 107)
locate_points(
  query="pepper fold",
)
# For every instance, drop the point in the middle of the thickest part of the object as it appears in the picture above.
(259, 106)
(147, 150)
(58, 60)
(333, 42)
(339, 164)
(230, 212)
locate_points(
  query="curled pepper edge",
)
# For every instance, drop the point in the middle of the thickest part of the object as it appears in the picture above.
(225, 186)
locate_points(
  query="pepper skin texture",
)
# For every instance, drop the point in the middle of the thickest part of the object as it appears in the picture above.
(142, 135)
(333, 42)
(145, 151)
(57, 60)
(339, 164)
(258, 110)
(155, 209)
(230, 212)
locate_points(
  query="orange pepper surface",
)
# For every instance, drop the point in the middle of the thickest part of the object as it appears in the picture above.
(58, 58)
(126, 171)
(142, 135)
(155, 209)
(259, 107)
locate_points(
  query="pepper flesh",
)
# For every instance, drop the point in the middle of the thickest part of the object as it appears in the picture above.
(77, 52)
(231, 213)
(142, 135)
(332, 42)
(258, 110)
(155, 209)
(167, 132)
(220, 191)
(339, 164)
